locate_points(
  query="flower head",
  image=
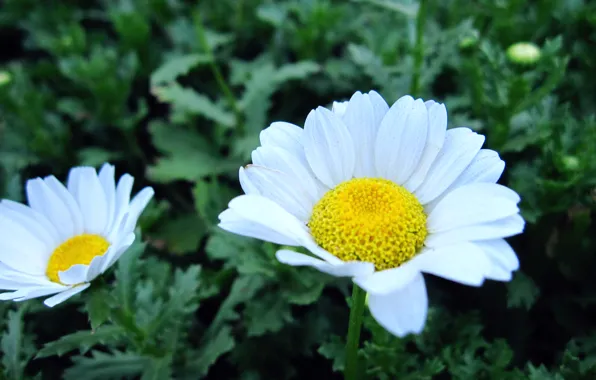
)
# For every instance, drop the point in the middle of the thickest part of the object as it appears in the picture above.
(381, 194)
(67, 235)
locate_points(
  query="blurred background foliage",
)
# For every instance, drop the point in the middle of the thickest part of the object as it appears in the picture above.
(176, 92)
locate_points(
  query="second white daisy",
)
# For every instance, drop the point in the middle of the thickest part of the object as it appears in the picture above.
(381, 195)
(68, 235)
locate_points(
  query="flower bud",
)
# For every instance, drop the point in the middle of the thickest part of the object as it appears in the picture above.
(523, 53)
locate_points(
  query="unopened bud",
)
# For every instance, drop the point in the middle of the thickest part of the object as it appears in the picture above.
(523, 53)
(5, 78)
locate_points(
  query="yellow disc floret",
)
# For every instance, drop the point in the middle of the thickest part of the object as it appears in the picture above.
(369, 219)
(80, 249)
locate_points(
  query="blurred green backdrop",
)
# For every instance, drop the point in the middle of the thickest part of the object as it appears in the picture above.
(176, 92)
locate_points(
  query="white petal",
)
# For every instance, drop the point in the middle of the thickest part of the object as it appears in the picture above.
(11, 279)
(73, 208)
(460, 147)
(359, 118)
(20, 249)
(389, 280)
(472, 204)
(401, 139)
(136, 207)
(283, 135)
(465, 263)
(34, 215)
(296, 166)
(108, 184)
(503, 257)
(234, 223)
(328, 146)
(95, 267)
(61, 297)
(31, 223)
(342, 269)
(281, 188)
(380, 106)
(339, 108)
(486, 167)
(123, 190)
(506, 227)
(24, 294)
(91, 199)
(76, 274)
(437, 127)
(42, 199)
(403, 311)
(117, 250)
(259, 217)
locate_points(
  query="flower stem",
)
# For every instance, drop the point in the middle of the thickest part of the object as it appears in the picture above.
(418, 50)
(356, 313)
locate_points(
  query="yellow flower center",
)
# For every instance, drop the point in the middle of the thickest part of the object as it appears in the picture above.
(80, 249)
(369, 219)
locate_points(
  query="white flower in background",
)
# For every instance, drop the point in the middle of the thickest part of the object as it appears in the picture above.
(381, 195)
(67, 236)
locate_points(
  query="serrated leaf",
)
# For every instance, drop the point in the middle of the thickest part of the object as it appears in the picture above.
(181, 234)
(193, 103)
(335, 350)
(174, 139)
(106, 366)
(82, 340)
(193, 168)
(267, 313)
(522, 291)
(182, 300)
(97, 156)
(264, 81)
(126, 276)
(212, 348)
(177, 66)
(12, 342)
(158, 369)
(97, 304)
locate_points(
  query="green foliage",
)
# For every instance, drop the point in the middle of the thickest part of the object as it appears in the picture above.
(177, 92)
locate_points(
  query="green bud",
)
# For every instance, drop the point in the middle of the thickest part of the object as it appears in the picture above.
(470, 40)
(366, 299)
(523, 53)
(5, 78)
(571, 162)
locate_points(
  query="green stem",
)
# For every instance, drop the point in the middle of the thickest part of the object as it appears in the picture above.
(356, 314)
(419, 47)
(221, 82)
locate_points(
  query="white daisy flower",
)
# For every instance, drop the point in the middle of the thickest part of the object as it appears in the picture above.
(68, 235)
(381, 195)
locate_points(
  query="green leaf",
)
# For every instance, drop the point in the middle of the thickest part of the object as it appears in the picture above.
(126, 276)
(266, 313)
(158, 369)
(182, 301)
(97, 304)
(522, 291)
(190, 102)
(82, 340)
(212, 348)
(12, 344)
(106, 366)
(181, 234)
(192, 168)
(177, 66)
(334, 349)
(97, 156)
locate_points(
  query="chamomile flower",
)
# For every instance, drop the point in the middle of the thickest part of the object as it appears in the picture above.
(67, 235)
(381, 194)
